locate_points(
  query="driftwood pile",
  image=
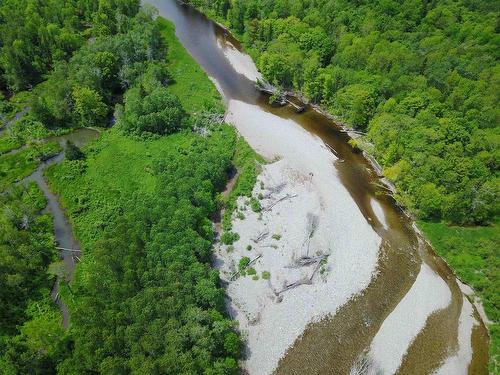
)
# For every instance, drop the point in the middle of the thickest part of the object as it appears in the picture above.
(301, 262)
(281, 97)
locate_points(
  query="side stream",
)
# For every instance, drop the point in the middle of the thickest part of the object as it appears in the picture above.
(66, 242)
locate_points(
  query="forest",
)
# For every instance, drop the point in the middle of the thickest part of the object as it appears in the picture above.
(144, 298)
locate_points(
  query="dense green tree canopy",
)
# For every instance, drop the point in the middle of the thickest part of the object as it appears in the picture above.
(145, 295)
(83, 90)
(26, 249)
(421, 78)
(155, 112)
(145, 299)
(35, 34)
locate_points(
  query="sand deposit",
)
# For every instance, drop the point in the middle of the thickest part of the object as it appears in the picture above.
(241, 62)
(428, 294)
(317, 218)
(458, 363)
(298, 191)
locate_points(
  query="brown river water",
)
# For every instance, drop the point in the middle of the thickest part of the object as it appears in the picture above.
(334, 344)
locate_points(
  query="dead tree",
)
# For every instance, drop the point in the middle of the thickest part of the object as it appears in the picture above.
(303, 281)
(270, 245)
(312, 225)
(305, 261)
(261, 236)
(287, 196)
(318, 264)
(66, 249)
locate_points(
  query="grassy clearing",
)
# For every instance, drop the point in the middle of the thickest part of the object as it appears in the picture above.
(191, 84)
(116, 167)
(14, 167)
(474, 254)
(8, 142)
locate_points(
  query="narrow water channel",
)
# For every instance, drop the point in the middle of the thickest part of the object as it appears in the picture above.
(66, 242)
(8, 123)
(412, 318)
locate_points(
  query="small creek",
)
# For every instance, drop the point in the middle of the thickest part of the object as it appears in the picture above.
(63, 231)
(9, 123)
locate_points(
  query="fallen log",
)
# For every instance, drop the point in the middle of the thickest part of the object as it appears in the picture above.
(307, 261)
(271, 245)
(315, 270)
(312, 224)
(281, 96)
(66, 249)
(261, 236)
(298, 108)
(287, 196)
(304, 281)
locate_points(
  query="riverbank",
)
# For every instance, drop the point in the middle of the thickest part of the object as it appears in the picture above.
(477, 269)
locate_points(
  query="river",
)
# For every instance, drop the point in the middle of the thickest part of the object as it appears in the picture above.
(409, 316)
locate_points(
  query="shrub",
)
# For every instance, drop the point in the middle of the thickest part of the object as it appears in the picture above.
(228, 238)
(158, 112)
(73, 152)
(244, 262)
(255, 205)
